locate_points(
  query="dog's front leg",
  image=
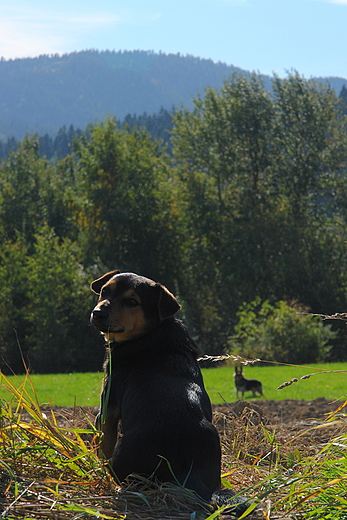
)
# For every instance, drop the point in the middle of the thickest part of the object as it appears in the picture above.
(109, 427)
(107, 421)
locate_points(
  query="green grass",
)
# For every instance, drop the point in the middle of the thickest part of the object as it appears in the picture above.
(220, 382)
(84, 389)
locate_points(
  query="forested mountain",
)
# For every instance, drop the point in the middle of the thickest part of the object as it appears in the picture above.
(42, 94)
(45, 93)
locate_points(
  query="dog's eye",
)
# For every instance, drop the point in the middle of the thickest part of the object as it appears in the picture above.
(131, 302)
(105, 291)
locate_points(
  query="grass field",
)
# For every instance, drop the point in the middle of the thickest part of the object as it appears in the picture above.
(84, 389)
(220, 382)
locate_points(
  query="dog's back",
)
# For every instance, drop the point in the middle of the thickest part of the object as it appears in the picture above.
(166, 412)
(246, 385)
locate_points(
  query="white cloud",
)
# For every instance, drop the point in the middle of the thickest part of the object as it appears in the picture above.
(339, 2)
(19, 39)
(29, 30)
(25, 32)
(39, 17)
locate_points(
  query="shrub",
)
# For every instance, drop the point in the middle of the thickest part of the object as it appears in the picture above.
(282, 332)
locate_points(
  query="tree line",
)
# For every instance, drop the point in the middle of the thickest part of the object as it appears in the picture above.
(159, 125)
(249, 205)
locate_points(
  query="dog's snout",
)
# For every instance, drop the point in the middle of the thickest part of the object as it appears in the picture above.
(99, 313)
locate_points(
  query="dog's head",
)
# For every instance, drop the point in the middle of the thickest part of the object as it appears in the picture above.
(130, 305)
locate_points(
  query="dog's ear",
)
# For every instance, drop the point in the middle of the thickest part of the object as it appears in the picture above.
(167, 304)
(97, 284)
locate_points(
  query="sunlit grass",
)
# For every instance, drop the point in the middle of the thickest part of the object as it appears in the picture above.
(83, 389)
(38, 457)
(220, 382)
(78, 388)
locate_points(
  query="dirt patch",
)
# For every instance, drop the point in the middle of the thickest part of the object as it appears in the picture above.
(252, 431)
(264, 431)
(244, 427)
(287, 411)
(282, 414)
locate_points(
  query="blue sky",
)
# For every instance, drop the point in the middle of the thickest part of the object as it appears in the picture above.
(260, 35)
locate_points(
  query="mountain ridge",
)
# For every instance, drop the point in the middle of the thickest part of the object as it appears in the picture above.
(45, 93)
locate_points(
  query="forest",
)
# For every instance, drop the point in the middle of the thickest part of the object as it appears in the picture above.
(243, 217)
(55, 147)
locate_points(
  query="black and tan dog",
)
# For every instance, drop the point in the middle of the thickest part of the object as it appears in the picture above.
(246, 385)
(154, 386)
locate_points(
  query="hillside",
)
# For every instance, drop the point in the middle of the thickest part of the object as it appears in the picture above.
(45, 93)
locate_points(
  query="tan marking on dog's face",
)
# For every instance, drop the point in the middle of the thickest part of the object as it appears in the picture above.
(125, 317)
(130, 305)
